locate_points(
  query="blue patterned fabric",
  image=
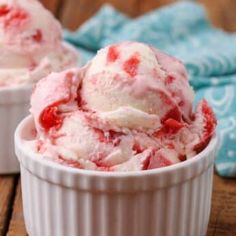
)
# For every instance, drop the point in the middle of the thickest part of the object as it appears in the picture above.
(183, 31)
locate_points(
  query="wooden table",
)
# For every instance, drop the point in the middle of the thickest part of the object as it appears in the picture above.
(72, 13)
(222, 220)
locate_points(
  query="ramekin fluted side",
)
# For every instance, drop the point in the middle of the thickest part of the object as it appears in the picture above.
(63, 201)
(14, 106)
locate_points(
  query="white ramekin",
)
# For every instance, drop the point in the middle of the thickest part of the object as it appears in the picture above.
(62, 201)
(14, 106)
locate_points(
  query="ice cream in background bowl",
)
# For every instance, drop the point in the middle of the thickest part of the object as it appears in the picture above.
(31, 47)
(117, 141)
(31, 43)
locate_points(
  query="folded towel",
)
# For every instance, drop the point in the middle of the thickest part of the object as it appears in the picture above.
(182, 30)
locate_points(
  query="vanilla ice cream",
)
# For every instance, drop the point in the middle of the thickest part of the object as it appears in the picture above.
(30, 43)
(129, 108)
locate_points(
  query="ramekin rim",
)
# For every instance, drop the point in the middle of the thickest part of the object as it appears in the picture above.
(49, 163)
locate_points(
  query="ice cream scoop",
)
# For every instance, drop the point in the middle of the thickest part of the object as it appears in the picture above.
(139, 76)
(129, 108)
(30, 43)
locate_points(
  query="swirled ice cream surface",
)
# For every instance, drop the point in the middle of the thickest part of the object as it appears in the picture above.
(128, 109)
(31, 43)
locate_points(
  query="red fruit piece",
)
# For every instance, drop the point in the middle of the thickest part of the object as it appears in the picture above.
(181, 103)
(4, 10)
(38, 37)
(171, 123)
(71, 163)
(137, 148)
(15, 18)
(209, 121)
(173, 126)
(131, 65)
(113, 54)
(209, 118)
(98, 160)
(201, 145)
(80, 102)
(57, 94)
(182, 157)
(169, 79)
(101, 136)
(156, 160)
(50, 118)
(174, 114)
(170, 126)
(170, 145)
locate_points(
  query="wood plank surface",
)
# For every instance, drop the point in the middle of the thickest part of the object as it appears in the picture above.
(222, 13)
(6, 195)
(17, 219)
(75, 12)
(52, 5)
(72, 13)
(149, 5)
(223, 212)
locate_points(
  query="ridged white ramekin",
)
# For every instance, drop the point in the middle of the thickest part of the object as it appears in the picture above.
(63, 201)
(14, 106)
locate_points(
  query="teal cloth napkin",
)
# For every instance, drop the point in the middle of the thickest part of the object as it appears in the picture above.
(182, 30)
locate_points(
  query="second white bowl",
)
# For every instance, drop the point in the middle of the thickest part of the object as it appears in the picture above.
(14, 106)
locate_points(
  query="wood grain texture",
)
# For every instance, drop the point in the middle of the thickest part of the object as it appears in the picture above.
(17, 219)
(75, 12)
(148, 5)
(6, 194)
(223, 212)
(221, 13)
(51, 5)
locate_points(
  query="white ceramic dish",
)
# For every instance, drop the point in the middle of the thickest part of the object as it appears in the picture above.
(59, 200)
(14, 106)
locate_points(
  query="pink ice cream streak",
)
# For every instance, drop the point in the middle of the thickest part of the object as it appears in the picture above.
(130, 108)
(31, 43)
